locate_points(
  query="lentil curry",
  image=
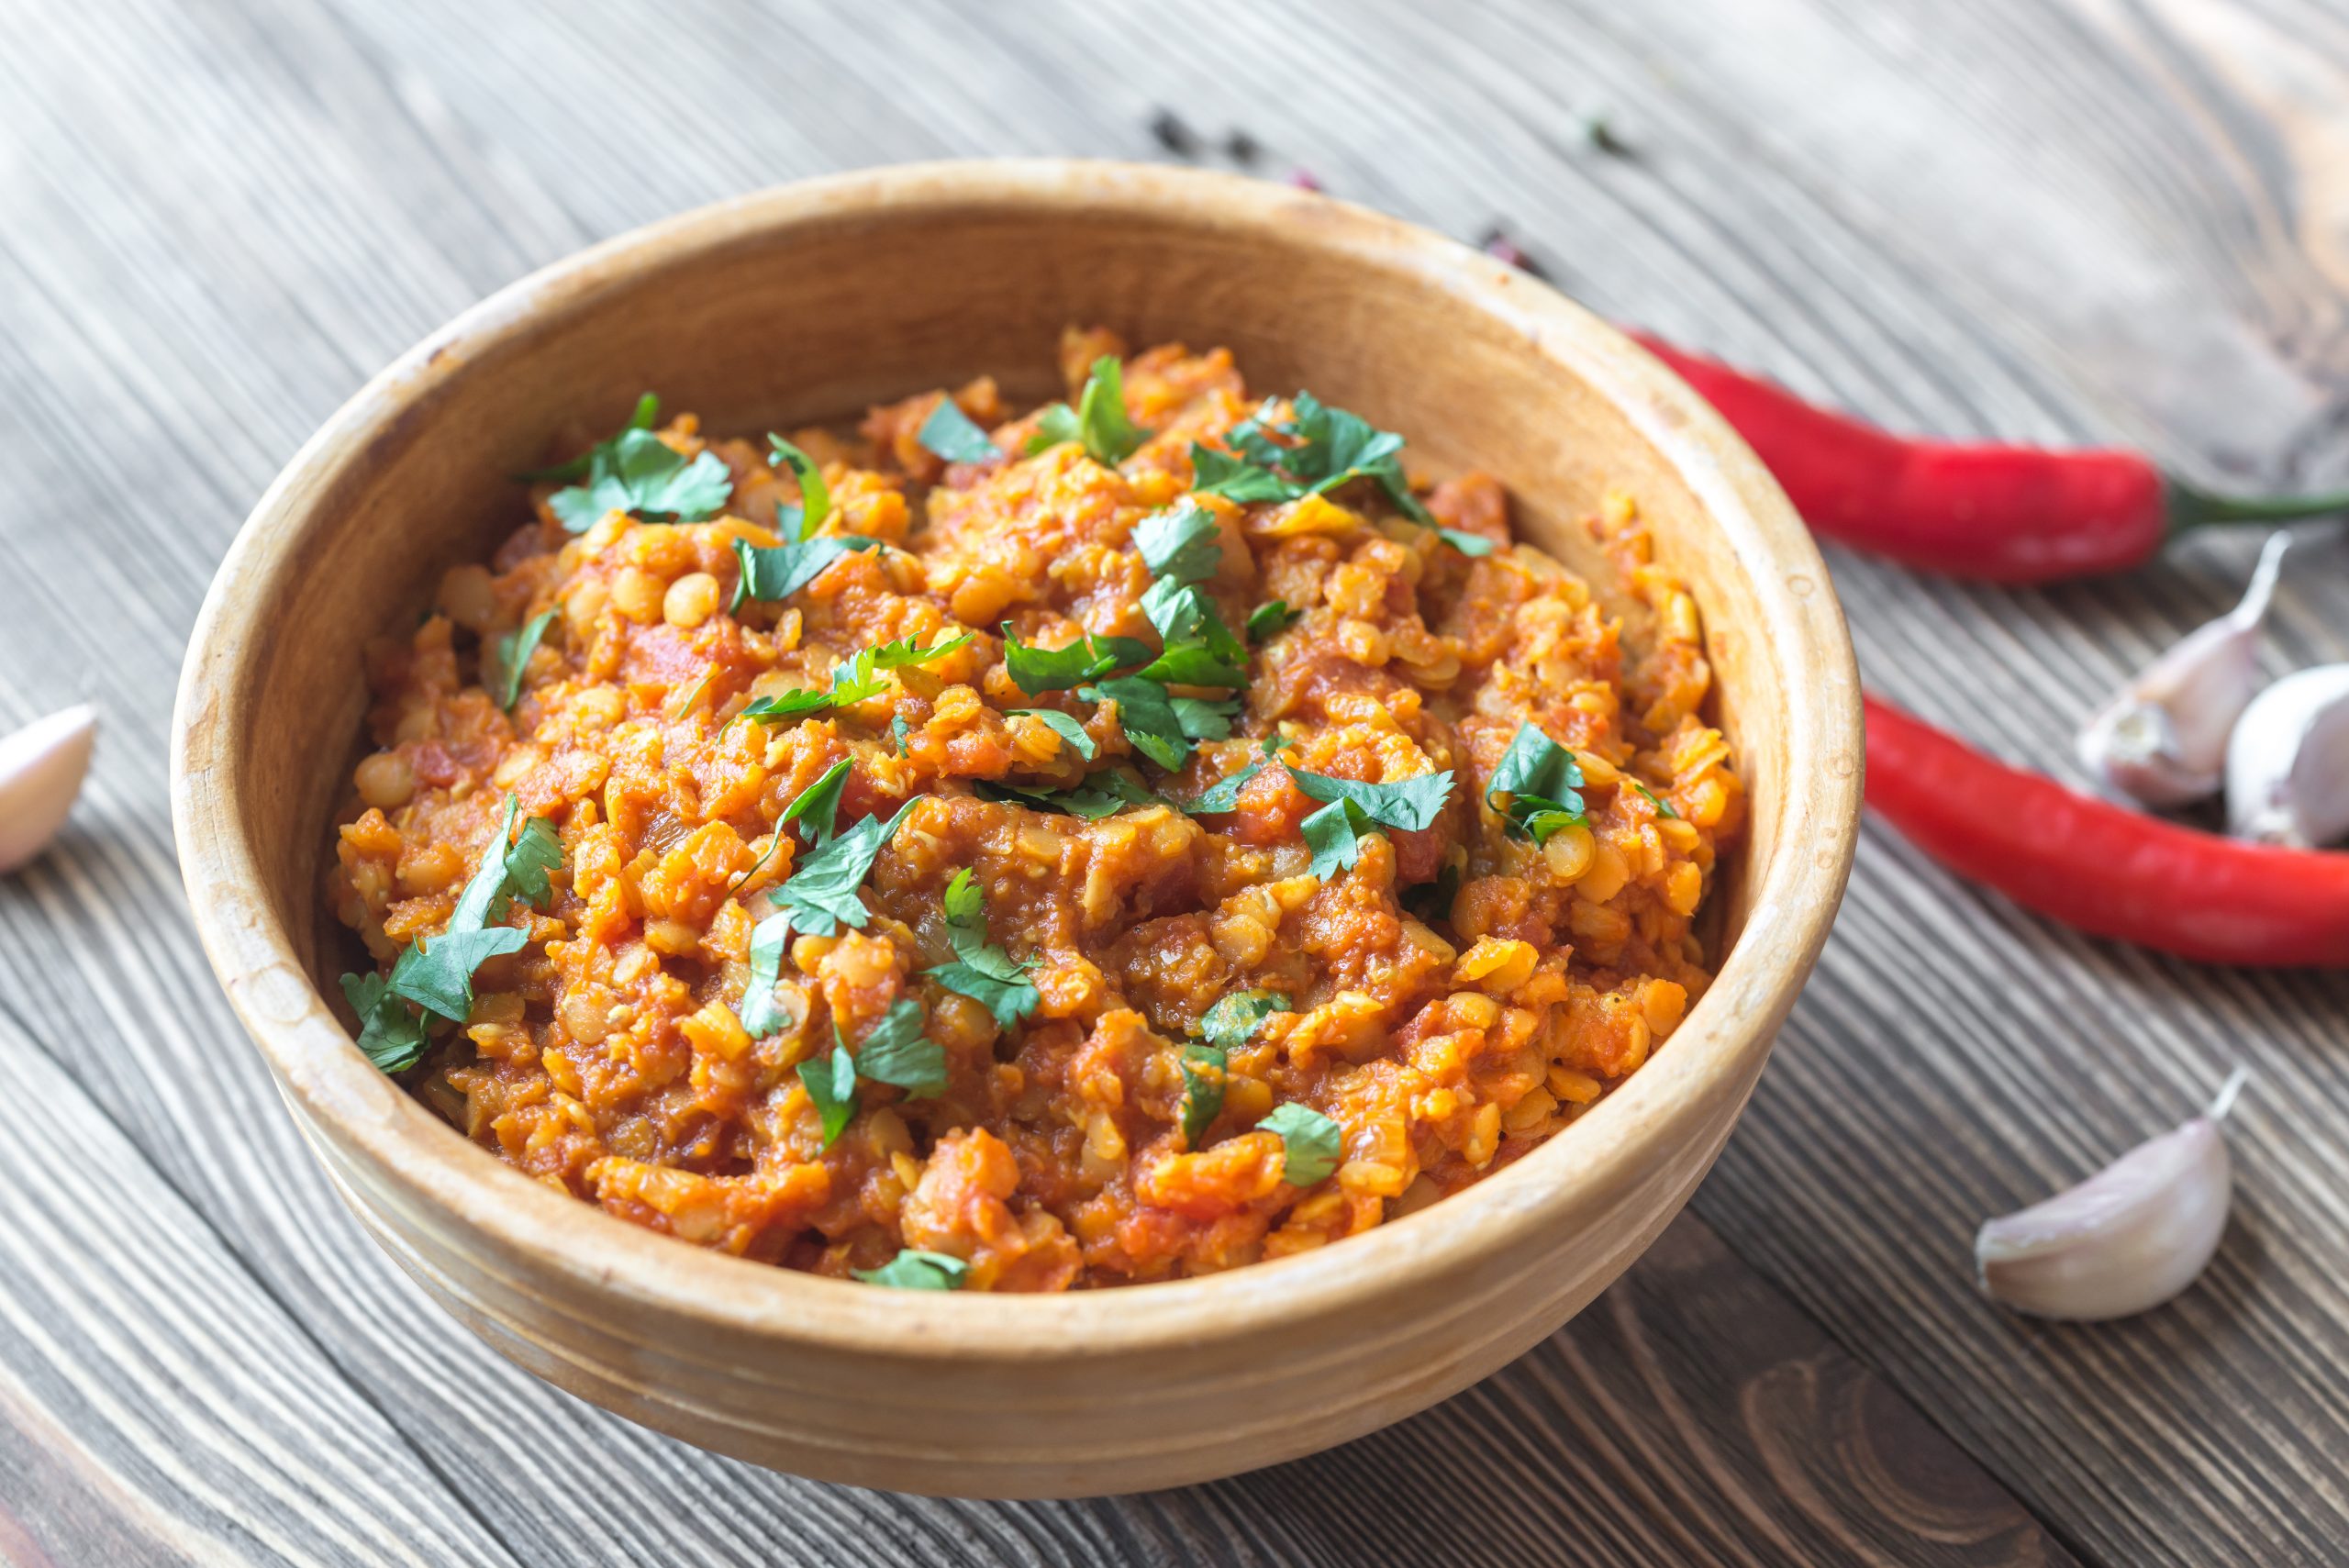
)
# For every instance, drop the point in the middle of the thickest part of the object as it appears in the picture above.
(1122, 842)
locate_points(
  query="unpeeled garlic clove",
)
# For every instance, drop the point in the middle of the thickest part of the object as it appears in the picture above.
(2161, 739)
(41, 769)
(2288, 765)
(2126, 1240)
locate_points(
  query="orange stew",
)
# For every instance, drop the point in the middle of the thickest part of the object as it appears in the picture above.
(1160, 1027)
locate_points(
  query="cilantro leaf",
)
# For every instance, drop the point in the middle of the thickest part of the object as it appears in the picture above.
(1099, 420)
(830, 1082)
(981, 969)
(1203, 1080)
(899, 729)
(1339, 448)
(1104, 793)
(793, 704)
(761, 1013)
(647, 415)
(1236, 478)
(1039, 670)
(513, 657)
(1544, 783)
(819, 803)
(814, 503)
(1205, 720)
(1147, 716)
(1407, 804)
(773, 573)
(855, 680)
(1334, 832)
(1330, 833)
(390, 1032)
(1062, 725)
(1467, 544)
(1233, 1019)
(822, 894)
(1310, 1142)
(537, 852)
(1270, 618)
(914, 1269)
(437, 973)
(1662, 807)
(638, 473)
(906, 651)
(1180, 544)
(896, 1051)
(1225, 795)
(951, 434)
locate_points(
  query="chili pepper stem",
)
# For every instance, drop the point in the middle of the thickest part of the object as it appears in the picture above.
(2190, 507)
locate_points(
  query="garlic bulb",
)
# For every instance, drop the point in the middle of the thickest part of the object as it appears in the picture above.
(2126, 1240)
(2161, 739)
(41, 768)
(2288, 765)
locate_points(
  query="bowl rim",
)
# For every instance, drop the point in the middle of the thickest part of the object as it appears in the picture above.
(1658, 1107)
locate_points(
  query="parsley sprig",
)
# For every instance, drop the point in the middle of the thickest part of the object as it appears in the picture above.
(916, 1268)
(855, 680)
(1310, 1142)
(1206, 1064)
(820, 897)
(511, 656)
(1098, 420)
(1323, 449)
(638, 473)
(1333, 833)
(435, 974)
(982, 969)
(895, 1051)
(955, 436)
(1543, 783)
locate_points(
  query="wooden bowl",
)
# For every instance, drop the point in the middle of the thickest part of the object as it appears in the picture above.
(807, 303)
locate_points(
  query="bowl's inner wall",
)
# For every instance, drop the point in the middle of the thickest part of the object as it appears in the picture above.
(806, 325)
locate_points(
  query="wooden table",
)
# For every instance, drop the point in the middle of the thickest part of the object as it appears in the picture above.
(2048, 220)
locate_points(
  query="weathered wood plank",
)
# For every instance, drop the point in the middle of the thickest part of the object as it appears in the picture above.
(2056, 222)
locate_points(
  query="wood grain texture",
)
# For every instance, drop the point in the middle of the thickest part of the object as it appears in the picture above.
(2050, 219)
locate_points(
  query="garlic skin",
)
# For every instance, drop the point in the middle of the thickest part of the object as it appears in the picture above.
(2288, 765)
(2125, 1241)
(2161, 739)
(41, 769)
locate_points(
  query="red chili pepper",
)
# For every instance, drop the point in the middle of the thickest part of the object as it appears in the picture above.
(2092, 864)
(2005, 514)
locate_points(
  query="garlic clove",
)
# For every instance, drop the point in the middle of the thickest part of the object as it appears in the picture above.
(2288, 764)
(41, 769)
(2161, 739)
(2126, 1240)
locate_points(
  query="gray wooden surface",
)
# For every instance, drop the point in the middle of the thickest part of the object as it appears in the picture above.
(2059, 219)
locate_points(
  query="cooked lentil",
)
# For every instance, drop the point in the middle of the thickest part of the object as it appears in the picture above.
(608, 1058)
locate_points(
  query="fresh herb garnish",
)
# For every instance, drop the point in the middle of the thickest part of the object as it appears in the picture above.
(821, 895)
(1310, 1142)
(831, 1085)
(1180, 543)
(1270, 618)
(1662, 807)
(896, 1051)
(1203, 1071)
(436, 972)
(1101, 795)
(899, 729)
(1543, 783)
(1233, 1019)
(1236, 478)
(1062, 725)
(1225, 795)
(982, 969)
(513, 657)
(647, 415)
(638, 473)
(806, 515)
(1465, 542)
(951, 434)
(1179, 546)
(1039, 670)
(819, 805)
(914, 1269)
(390, 1032)
(1098, 420)
(1334, 832)
(761, 1013)
(773, 573)
(1147, 716)
(855, 680)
